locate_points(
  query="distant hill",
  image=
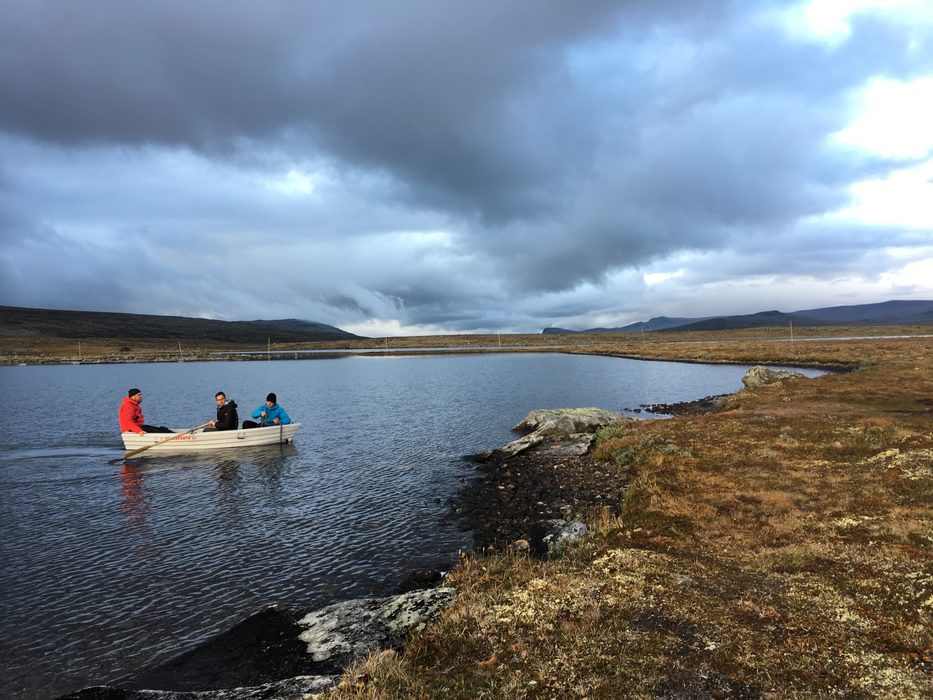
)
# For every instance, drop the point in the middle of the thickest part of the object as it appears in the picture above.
(98, 324)
(887, 312)
(884, 313)
(762, 319)
(658, 323)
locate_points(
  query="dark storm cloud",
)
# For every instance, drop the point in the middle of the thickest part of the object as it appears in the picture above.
(49, 268)
(445, 96)
(741, 144)
(556, 144)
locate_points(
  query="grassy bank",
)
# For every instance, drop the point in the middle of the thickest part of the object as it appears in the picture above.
(782, 547)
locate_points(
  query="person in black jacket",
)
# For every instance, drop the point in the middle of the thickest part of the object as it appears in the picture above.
(227, 418)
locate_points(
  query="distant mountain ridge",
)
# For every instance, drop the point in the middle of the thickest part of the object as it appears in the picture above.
(102, 324)
(896, 312)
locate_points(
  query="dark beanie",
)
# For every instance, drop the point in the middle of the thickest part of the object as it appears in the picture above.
(133, 392)
(271, 397)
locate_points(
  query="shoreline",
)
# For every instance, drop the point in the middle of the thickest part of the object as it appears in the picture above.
(735, 527)
(778, 545)
(501, 504)
(325, 355)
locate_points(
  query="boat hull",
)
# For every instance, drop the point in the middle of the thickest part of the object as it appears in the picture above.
(210, 439)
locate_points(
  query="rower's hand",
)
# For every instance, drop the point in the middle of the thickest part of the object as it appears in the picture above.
(262, 414)
(211, 422)
(275, 420)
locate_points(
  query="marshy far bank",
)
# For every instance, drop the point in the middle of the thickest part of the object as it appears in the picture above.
(40, 346)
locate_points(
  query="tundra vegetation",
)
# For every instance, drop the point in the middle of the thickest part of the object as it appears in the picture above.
(778, 546)
(781, 546)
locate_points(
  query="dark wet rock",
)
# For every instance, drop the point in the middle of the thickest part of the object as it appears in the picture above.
(281, 653)
(760, 375)
(549, 538)
(260, 649)
(420, 579)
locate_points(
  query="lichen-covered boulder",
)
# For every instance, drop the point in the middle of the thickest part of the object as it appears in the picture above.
(567, 421)
(564, 432)
(760, 375)
(345, 632)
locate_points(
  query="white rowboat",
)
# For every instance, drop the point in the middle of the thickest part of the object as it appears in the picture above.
(210, 439)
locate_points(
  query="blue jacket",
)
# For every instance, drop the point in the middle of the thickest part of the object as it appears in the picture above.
(271, 413)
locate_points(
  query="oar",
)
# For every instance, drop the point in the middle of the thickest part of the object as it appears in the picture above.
(133, 453)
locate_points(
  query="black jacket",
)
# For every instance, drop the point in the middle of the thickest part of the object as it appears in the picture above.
(227, 418)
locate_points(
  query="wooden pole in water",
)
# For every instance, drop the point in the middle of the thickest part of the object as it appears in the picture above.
(792, 331)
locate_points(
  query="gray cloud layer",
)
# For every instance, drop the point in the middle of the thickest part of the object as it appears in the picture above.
(470, 162)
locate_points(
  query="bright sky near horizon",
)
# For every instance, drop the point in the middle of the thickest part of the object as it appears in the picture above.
(423, 167)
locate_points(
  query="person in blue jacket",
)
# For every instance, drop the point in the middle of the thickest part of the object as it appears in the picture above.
(270, 413)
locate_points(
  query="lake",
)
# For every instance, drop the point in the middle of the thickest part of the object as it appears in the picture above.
(108, 566)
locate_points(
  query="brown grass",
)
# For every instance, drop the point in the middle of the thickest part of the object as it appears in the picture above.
(780, 548)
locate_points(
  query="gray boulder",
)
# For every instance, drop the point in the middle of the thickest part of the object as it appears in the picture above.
(564, 432)
(760, 375)
(566, 421)
(345, 632)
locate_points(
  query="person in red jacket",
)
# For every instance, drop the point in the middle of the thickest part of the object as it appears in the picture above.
(131, 415)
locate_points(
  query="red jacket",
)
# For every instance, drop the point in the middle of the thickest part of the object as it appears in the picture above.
(131, 416)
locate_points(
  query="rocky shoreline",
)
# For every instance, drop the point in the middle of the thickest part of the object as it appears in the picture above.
(532, 495)
(546, 475)
(282, 652)
(749, 576)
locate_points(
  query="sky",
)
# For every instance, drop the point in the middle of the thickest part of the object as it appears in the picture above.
(417, 167)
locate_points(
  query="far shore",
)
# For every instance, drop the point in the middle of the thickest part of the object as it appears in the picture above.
(673, 346)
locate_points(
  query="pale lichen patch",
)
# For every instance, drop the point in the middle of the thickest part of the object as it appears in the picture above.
(881, 676)
(913, 465)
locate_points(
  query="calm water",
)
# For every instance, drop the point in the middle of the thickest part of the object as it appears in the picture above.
(109, 567)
